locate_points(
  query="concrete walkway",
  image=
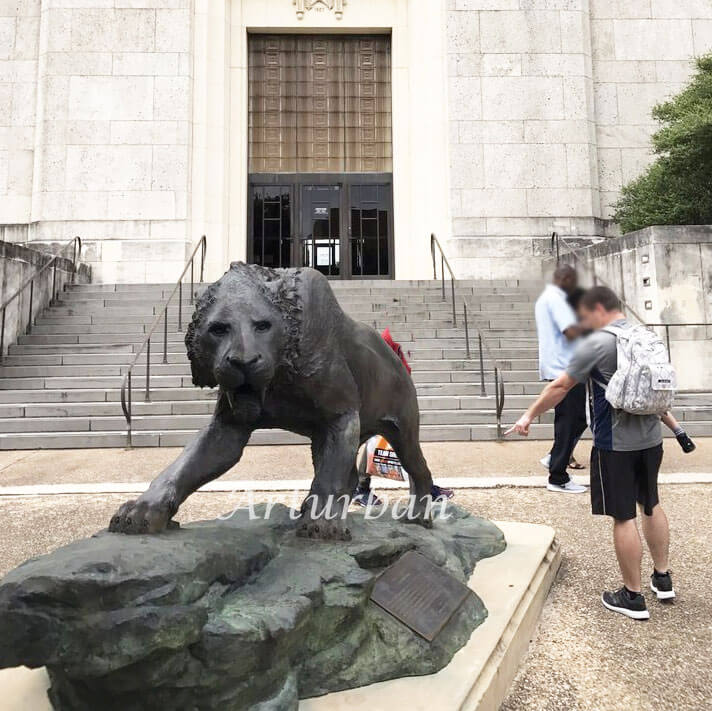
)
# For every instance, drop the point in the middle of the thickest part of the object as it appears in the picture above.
(446, 459)
(582, 658)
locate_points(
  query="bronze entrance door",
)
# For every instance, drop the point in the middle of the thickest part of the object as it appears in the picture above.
(340, 225)
(320, 153)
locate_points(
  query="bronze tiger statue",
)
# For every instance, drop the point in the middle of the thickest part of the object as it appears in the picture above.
(284, 355)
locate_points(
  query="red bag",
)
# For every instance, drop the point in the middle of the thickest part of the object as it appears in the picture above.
(396, 348)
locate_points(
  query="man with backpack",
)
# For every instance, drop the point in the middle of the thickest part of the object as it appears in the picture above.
(631, 384)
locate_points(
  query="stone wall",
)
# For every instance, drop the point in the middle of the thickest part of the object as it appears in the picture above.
(19, 42)
(124, 121)
(664, 274)
(17, 265)
(112, 138)
(549, 109)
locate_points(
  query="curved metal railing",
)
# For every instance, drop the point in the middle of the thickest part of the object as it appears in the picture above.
(76, 244)
(146, 345)
(482, 345)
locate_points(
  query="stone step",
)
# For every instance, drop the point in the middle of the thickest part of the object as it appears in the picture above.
(169, 416)
(181, 421)
(179, 438)
(378, 289)
(183, 368)
(112, 394)
(401, 335)
(342, 295)
(77, 402)
(75, 416)
(109, 380)
(177, 346)
(382, 317)
(359, 312)
(176, 354)
(336, 284)
(168, 422)
(147, 310)
(192, 407)
(130, 327)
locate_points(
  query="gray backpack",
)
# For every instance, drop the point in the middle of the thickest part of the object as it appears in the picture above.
(644, 382)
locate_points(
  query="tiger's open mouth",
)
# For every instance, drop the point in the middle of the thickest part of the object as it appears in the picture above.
(245, 401)
(245, 390)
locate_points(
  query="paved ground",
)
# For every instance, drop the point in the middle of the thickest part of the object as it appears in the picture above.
(451, 459)
(583, 658)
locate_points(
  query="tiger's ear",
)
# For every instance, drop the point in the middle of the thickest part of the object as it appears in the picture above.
(274, 283)
(202, 374)
(200, 369)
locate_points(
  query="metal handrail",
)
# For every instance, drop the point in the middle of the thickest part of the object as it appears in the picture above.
(434, 242)
(482, 344)
(76, 243)
(557, 239)
(146, 345)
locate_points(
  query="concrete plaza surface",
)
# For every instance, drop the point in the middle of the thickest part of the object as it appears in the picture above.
(582, 658)
(446, 459)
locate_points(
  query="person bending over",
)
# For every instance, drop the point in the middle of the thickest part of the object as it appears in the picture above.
(364, 494)
(625, 458)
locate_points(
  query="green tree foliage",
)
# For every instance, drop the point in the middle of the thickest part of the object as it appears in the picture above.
(676, 189)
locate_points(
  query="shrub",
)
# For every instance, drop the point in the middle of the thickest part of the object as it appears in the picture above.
(676, 189)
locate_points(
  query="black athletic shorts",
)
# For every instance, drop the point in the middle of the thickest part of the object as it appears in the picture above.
(619, 480)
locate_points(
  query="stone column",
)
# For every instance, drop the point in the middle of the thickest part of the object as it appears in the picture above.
(522, 131)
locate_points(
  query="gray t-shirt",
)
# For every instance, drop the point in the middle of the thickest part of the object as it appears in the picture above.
(595, 359)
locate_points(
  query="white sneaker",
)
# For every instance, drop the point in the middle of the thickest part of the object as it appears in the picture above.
(545, 461)
(568, 488)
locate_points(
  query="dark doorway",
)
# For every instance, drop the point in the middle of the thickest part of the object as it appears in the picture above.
(341, 225)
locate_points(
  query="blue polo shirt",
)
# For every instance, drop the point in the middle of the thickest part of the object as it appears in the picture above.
(553, 316)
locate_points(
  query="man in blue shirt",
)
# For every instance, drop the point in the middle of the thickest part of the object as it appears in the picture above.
(557, 329)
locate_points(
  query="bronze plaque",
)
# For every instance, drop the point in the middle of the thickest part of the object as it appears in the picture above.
(421, 595)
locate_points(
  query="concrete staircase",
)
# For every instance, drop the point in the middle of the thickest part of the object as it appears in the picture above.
(60, 385)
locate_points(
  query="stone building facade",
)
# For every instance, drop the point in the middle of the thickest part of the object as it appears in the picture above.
(127, 122)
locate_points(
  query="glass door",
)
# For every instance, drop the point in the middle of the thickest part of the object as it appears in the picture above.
(370, 230)
(341, 225)
(271, 243)
(321, 228)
